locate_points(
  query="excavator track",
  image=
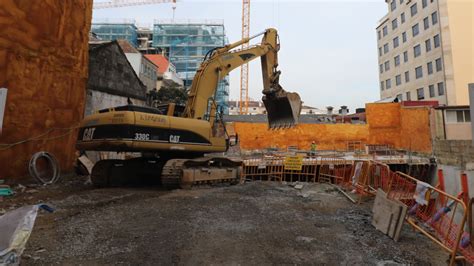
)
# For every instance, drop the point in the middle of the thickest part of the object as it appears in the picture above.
(172, 173)
(137, 171)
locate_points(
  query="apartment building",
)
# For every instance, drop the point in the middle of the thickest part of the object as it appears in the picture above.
(425, 50)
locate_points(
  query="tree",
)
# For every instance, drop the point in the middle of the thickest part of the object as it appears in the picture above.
(169, 94)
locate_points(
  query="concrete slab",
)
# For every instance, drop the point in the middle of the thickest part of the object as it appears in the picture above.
(388, 215)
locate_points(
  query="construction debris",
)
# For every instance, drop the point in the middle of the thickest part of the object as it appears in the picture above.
(389, 215)
(16, 227)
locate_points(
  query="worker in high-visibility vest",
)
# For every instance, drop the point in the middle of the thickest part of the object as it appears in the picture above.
(313, 148)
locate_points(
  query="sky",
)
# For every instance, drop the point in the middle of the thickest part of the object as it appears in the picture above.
(328, 48)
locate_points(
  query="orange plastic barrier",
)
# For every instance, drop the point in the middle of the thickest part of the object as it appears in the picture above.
(433, 212)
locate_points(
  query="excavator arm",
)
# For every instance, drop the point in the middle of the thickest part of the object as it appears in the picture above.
(283, 108)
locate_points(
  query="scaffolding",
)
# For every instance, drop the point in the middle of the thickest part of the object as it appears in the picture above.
(122, 30)
(186, 43)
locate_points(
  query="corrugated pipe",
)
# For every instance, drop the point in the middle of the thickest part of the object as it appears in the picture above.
(51, 161)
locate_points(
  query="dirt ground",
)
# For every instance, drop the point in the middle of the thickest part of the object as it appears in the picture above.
(257, 223)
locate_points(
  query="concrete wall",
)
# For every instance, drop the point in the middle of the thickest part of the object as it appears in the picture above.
(97, 100)
(43, 63)
(454, 152)
(387, 123)
(111, 72)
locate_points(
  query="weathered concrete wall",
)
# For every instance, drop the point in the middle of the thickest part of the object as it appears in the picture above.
(111, 72)
(97, 100)
(387, 124)
(454, 152)
(43, 63)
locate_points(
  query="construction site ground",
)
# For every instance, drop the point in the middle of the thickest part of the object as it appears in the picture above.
(257, 223)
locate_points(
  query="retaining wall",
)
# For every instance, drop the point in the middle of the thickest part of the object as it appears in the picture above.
(387, 123)
(43, 64)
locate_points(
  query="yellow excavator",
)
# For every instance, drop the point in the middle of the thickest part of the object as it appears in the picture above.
(173, 139)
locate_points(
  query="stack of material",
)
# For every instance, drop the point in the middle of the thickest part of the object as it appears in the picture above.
(388, 215)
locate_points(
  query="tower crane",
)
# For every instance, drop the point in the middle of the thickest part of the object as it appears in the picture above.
(244, 70)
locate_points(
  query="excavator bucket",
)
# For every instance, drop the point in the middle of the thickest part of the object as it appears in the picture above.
(283, 109)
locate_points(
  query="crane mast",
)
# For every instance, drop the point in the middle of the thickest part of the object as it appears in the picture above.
(244, 70)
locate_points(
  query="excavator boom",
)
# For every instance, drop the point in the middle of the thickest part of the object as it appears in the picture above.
(283, 108)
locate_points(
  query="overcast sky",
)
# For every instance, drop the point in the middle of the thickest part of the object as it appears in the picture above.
(328, 48)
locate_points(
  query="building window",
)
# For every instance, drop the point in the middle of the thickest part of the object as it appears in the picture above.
(381, 68)
(387, 65)
(385, 31)
(385, 48)
(405, 56)
(426, 23)
(398, 80)
(424, 3)
(394, 24)
(380, 51)
(434, 18)
(393, 5)
(436, 41)
(395, 42)
(404, 37)
(428, 45)
(407, 76)
(417, 50)
(397, 60)
(402, 17)
(439, 65)
(415, 30)
(414, 9)
(458, 116)
(382, 85)
(379, 35)
(420, 94)
(408, 96)
(430, 68)
(419, 72)
(440, 88)
(399, 97)
(432, 91)
(388, 84)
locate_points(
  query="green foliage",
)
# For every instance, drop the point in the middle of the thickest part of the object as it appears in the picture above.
(171, 94)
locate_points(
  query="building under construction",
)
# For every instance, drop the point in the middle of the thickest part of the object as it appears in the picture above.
(186, 43)
(110, 30)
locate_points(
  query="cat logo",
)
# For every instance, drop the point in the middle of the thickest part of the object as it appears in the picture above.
(88, 133)
(174, 139)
